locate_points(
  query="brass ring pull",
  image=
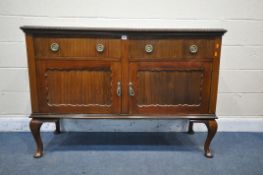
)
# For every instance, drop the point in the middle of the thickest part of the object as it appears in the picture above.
(193, 49)
(118, 88)
(131, 90)
(100, 48)
(148, 48)
(54, 47)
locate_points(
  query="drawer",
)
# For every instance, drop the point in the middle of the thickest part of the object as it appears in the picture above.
(180, 49)
(198, 48)
(88, 48)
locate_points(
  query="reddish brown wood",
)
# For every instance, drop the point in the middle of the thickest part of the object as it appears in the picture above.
(170, 88)
(212, 128)
(164, 49)
(77, 81)
(170, 49)
(215, 76)
(205, 48)
(32, 74)
(125, 78)
(35, 126)
(77, 47)
(211, 125)
(78, 87)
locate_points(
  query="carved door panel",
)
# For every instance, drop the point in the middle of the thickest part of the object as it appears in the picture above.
(169, 87)
(79, 87)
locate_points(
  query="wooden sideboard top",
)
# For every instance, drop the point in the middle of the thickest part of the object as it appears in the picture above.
(83, 30)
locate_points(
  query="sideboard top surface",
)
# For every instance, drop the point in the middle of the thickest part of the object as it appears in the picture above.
(90, 30)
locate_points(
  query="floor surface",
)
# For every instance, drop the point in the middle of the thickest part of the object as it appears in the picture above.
(131, 154)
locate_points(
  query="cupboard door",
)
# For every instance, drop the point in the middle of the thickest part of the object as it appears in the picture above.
(79, 87)
(169, 87)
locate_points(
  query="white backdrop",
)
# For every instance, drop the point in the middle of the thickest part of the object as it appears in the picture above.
(241, 73)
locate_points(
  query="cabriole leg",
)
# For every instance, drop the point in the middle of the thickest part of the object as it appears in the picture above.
(212, 128)
(35, 126)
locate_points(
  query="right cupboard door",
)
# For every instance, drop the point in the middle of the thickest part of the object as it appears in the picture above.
(169, 87)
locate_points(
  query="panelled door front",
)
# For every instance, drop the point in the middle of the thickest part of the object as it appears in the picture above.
(169, 87)
(79, 86)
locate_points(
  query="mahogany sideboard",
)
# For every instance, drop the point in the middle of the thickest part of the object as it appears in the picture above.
(111, 73)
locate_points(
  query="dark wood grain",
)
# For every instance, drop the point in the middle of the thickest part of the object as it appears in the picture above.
(35, 125)
(73, 48)
(32, 74)
(211, 125)
(78, 87)
(212, 128)
(79, 82)
(125, 78)
(170, 49)
(205, 48)
(170, 88)
(215, 76)
(165, 49)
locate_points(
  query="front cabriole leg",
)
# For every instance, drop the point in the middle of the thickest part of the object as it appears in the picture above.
(35, 126)
(212, 128)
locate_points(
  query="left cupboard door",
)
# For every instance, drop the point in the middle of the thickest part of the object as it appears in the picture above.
(81, 87)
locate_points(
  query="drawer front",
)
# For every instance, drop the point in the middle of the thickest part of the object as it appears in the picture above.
(181, 49)
(198, 48)
(57, 47)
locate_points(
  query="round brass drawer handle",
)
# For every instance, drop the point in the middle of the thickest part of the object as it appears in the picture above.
(148, 48)
(100, 47)
(193, 49)
(54, 47)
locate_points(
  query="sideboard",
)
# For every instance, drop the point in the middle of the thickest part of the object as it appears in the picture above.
(123, 73)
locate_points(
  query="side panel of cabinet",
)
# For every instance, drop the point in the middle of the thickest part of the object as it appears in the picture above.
(79, 87)
(170, 87)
